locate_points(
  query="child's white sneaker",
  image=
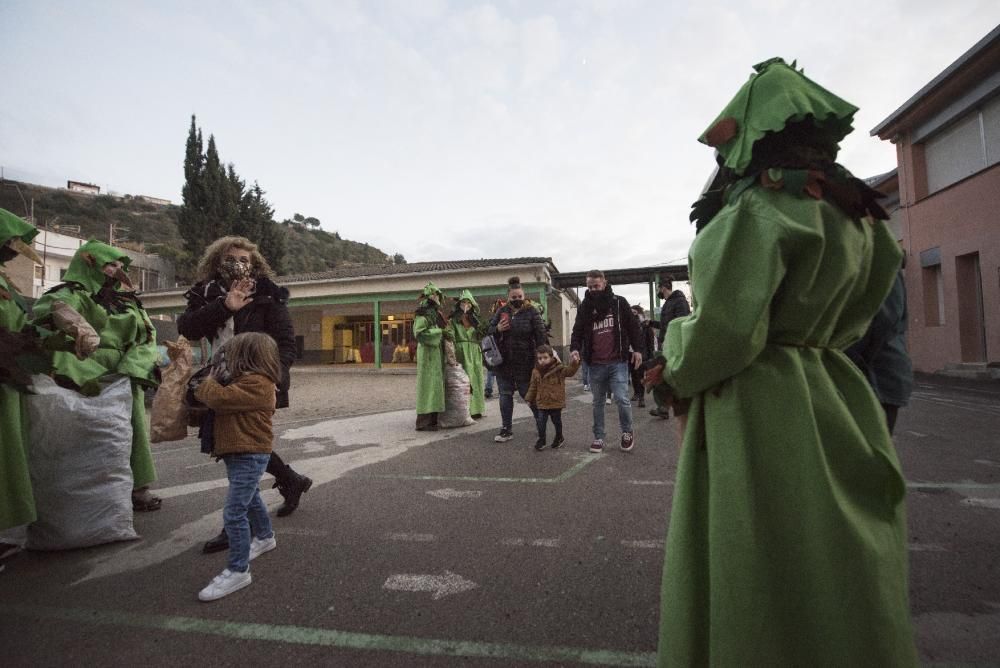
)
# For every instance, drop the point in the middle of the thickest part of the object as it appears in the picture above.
(224, 584)
(259, 547)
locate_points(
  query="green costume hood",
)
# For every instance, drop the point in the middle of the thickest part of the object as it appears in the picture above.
(86, 266)
(430, 289)
(776, 95)
(14, 227)
(467, 295)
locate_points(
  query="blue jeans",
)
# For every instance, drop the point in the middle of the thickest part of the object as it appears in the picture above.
(507, 385)
(585, 373)
(245, 511)
(489, 383)
(542, 418)
(614, 376)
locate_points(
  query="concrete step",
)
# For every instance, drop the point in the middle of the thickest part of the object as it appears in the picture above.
(971, 370)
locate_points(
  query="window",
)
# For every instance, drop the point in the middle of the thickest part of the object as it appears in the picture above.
(933, 295)
(965, 147)
(39, 272)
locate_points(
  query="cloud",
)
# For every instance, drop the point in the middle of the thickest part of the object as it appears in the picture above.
(542, 49)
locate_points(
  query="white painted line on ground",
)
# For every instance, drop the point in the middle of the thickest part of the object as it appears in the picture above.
(449, 493)
(644, 544)
(440, 585)
(651, 482)
(412, 537)
(987, 462)
(198, 466)
(982, 503)
(296, 531)
(917, 434)
(926, 547)
(532, 542)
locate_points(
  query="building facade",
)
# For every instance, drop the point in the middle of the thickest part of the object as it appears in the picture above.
(353, 315)
(947, 139)
(148, 272)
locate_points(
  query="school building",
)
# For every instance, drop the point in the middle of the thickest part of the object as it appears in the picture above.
(364, 314)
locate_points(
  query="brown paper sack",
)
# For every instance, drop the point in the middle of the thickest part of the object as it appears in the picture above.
(169, 418)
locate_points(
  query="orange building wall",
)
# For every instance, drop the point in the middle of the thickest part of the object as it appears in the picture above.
(963, 218)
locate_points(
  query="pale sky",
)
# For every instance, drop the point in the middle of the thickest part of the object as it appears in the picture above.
(444, 129)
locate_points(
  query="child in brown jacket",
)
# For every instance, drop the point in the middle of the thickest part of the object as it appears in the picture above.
(243, 434)
(547, 392)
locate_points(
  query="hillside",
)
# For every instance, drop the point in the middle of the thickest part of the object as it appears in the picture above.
(152, 228)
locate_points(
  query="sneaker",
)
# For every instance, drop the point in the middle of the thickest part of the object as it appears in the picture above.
(259, 547)
(628, 441)
(540, 443)
(597, 445)
(642, 402)
(656, 412)
(224, 584)
(607, 401)
(586, 388)
(504, 436)
(558, 441)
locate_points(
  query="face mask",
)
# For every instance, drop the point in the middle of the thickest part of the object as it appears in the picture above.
(517, 303)
(233, 270)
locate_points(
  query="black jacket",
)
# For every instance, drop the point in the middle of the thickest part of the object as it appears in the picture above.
(627, 334)
(206, 314)
(675, 306)
(517, 344)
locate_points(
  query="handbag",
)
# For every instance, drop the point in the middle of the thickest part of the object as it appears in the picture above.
(492, 357)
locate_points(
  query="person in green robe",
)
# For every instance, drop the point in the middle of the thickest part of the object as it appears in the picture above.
(787, 536)
(93, 286)
(429, 329)
(26, 351)
(468, 329)
(17, 503)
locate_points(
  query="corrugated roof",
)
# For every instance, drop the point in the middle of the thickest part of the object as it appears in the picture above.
(373, 270)
(366, 270)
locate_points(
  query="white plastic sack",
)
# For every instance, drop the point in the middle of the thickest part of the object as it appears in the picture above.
(79, 461)
(456, 399)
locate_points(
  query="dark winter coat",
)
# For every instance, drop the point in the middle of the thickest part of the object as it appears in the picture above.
(881, 353)
(627, 334)
(206, 314)
(675, 306)
(517, 344)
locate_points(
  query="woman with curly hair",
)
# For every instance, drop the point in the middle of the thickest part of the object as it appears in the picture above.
(235, 294)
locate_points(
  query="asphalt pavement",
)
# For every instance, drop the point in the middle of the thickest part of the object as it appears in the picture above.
(447, 549)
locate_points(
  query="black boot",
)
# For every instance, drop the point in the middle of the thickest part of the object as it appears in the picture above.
(291, 486)
(217, 544)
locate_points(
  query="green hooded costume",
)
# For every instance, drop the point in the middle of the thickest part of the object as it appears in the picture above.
(428, 329)
(128, 340)
(468, 352)
(787, 536)
(17, 503)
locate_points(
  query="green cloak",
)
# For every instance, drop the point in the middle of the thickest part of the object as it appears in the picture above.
(430, 357)
(128, 342)
(469, 354)
(17, 503)
(787, 537)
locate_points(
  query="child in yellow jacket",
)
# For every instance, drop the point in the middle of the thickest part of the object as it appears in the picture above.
(547, 392)
(243, 435)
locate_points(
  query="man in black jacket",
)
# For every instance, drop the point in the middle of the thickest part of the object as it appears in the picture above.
(675, 305)
(235, 294)
(604, 333)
